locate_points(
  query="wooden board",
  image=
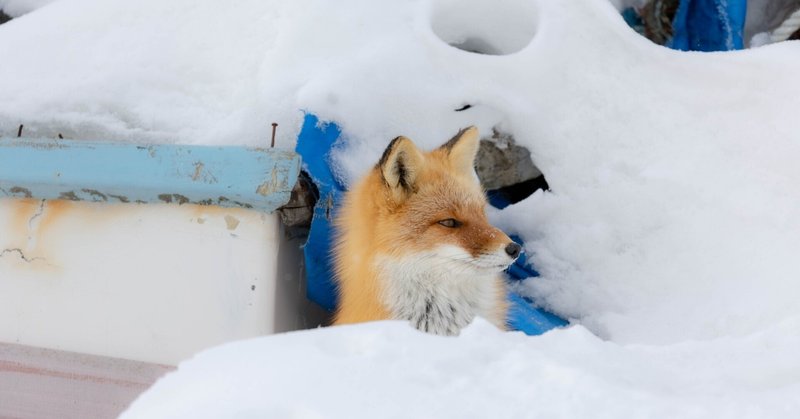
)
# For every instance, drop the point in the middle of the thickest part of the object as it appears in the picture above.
(43, 383)
(257, 178)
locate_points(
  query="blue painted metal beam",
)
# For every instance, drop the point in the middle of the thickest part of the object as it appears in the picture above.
(261, 179)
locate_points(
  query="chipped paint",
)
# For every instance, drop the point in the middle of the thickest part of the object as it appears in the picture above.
(231, 222)
(173, 198)
(198, 169)
(264, 189)
(201, 173)
(120, 198)
(17, 190)
(68, 196)
(96, 194)
(270, 185)
(123, 173)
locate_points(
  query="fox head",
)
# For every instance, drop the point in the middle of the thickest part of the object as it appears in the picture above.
(431, 205)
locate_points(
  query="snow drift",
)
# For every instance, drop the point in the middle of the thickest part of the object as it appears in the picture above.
(670, 232)
(388, 369)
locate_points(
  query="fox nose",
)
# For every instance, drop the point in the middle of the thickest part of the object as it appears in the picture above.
(513, 250)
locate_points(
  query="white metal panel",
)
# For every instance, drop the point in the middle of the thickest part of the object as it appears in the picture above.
(153, 283)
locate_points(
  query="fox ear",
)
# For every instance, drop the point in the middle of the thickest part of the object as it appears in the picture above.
(400, 165)
(462, 149)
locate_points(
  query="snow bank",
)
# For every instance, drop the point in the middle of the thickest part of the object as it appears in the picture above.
(673, 214)
(671, 231)
(151, 71)
(388, 370)
(17, 8)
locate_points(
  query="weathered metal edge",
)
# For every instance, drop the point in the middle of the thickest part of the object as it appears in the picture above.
(227, 176)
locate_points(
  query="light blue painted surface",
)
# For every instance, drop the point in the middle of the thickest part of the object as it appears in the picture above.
(260, 179)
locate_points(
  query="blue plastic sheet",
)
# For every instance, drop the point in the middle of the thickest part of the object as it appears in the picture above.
(708, 25)
(314, 144)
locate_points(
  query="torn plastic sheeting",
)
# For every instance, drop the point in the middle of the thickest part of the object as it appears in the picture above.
(708, 25)
(314, 144)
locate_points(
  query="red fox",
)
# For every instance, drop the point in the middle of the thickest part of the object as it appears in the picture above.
(413, 242)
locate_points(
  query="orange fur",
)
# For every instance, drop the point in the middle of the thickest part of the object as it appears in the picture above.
(393, 213)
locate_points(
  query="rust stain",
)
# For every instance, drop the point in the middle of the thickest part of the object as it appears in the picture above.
(23, 245)
(22, 211)
(54, 211)
(44, 236)
(231, 221)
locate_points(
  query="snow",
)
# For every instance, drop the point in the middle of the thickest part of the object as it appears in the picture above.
(387, 369)
(17, 8)
(669, 237)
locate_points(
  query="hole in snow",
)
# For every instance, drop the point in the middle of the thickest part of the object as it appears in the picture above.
(485, 27)
(506, 170)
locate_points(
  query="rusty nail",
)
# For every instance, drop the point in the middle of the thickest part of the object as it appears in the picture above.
(274, 127)
(19, 131)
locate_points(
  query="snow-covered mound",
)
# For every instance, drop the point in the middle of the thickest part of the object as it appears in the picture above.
(389, 370)
(670, 232)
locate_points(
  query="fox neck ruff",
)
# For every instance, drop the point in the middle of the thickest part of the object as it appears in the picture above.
(439, 296)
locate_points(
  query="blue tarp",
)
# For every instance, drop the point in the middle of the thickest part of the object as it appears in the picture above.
(708, 25)
(314, 144)
(698, 25)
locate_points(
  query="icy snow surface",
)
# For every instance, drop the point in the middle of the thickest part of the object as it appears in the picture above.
(670, 237)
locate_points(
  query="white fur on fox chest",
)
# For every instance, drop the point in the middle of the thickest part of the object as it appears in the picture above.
(438, 292)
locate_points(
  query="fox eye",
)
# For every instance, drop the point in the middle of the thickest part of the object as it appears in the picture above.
(450, 223)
